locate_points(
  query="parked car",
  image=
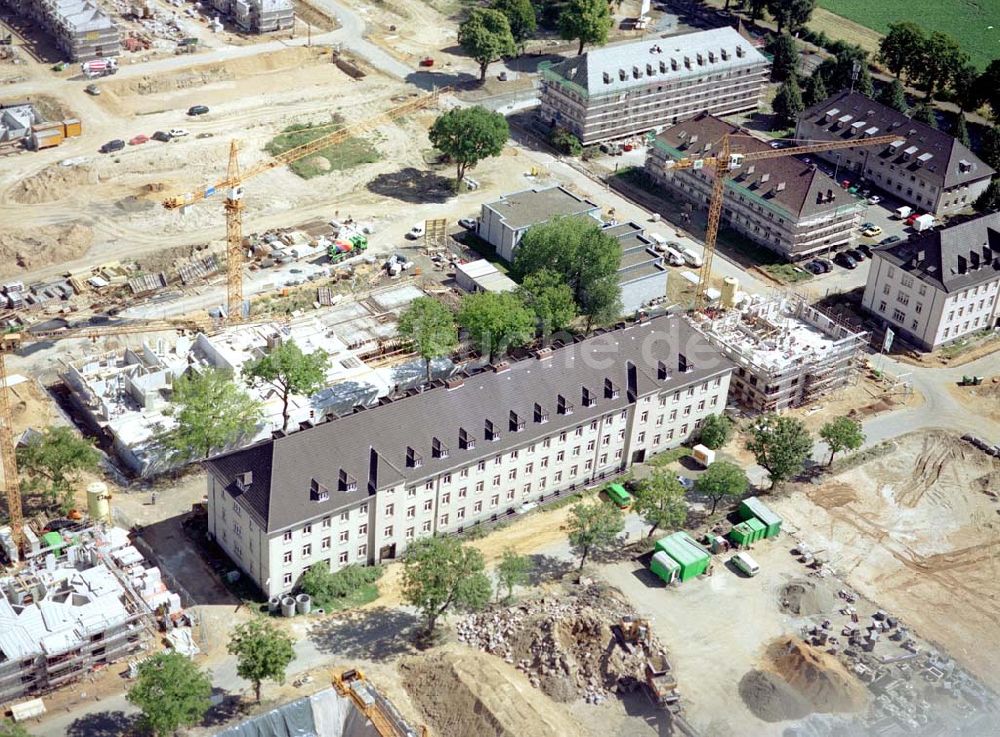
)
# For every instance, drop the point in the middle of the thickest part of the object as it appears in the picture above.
(138, 140)
(417, 231)
(111, 146)
(814, 267)
(92, 89)
(468, 223)
(744, 563)
(866, 226)
(890, 240)
(827, 266)
(856, 254)
(872, 232)
(161, 136)
(844, 259)
(197, 110)
(874, 199)
(865, 249)
(178, 132)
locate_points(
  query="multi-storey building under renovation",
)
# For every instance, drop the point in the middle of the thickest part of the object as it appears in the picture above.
(81, 28)
(626, 89)
(787, 353)
(84, 600)
(259, 16)
(440, 459)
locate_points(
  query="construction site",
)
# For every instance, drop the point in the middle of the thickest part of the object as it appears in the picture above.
(787, 352)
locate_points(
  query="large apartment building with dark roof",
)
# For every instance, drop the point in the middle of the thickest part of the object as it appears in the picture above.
(784, 204)
(361, 487)
(925, 168)
(626, 89)
(940, 285)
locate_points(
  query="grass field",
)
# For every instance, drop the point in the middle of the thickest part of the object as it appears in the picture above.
(345, 155)
(968, 21)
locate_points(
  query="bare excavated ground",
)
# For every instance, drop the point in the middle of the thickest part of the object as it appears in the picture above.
(916, 530)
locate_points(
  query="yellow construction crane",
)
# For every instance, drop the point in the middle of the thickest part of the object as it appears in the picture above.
(232, 185)
(726, 161)
(10, 343)
(353, 684)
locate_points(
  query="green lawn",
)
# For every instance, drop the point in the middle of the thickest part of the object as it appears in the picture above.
(346, 155)
(968, 21)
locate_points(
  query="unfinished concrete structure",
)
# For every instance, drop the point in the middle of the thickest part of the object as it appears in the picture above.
(258, 16)
(787, 353)
(83, 601)
(80, 28)
(16, 121)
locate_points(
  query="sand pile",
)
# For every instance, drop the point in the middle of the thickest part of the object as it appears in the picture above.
(463, 692)
(806, 597)
(42, 246)
(799, 679)
(52, 183)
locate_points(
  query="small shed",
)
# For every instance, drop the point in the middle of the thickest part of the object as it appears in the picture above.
(692, 558)
(752, 507)
(482, 276)
(617, 494)
(741, 534)
(665, 567)
(758, 530)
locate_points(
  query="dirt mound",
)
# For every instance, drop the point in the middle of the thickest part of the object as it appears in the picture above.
(834, 494)
(50, 244)
(818, 676)
(319, 162)
(806, 598)
(464, 692)
(562, 644)
(771, 698)
(52, 183)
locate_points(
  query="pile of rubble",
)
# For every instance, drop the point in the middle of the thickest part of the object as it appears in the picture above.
(561, 643)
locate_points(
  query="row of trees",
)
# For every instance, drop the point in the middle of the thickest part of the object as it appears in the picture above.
(790, 15)
(933, 62)
(501, 30)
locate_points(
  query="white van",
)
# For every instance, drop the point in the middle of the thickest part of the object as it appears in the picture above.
(903, 212)
(673, 257)
(691, 258)
(417, 231)
(745, 563)
(659, 242)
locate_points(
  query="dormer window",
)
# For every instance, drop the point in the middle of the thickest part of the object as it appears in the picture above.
(346, 482)
(516, 423)
(662, 372)
(610, 390)
(318, 492)
(439, 449)
(607, 78)
(563, 406)
(541, 416)
(465, 440)
(413, 458)
(244, 480)
(492, 432)
(589, 398)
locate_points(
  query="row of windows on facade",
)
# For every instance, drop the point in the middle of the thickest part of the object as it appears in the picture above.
(907, 281)
(615, 113)
(741, 88)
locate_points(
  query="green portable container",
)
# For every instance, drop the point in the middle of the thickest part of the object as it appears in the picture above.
(692, 559)
(617, 494)
(752, 507)
(741, 534)
(53, 540)
(665, 567)
(758, 531)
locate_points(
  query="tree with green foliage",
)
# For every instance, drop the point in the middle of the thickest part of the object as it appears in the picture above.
(439, 573)
(864, 84)
(52, 462)
(754, 7)
(467, 135)
(263, 652)
(894, 95)
(842, 433)
(715, 431)
(790, 14)
(513, 570)
(594, 526)
(659, 500)
(172, 692)
(586, 257)
(961, 133)
(520, 16)
(839, 72)
(924, 113)
(814, 91)
(722, 479)
(549, 297)
(287, 370)
(780, 444)
(496, 321)
(989, 147)
(212, 412)
(430, 326)
(965, 88)
(566, 142)
(588, 21)
(988, 87)
(941, 59)
(786, 57)
(12, 729)
(788, 103)
(901, 49)
(989, 201)
(486, 36)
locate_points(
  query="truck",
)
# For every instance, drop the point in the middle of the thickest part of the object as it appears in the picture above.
(901, 213)
(99, 68)
(344, 248)
(691, 258)
(660, 681)
(924, 222)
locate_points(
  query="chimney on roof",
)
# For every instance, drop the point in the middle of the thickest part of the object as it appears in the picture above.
(453, 382)
(740, 52)
(725, 54)
(544, 352)
(372, 470)
(500, 367)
